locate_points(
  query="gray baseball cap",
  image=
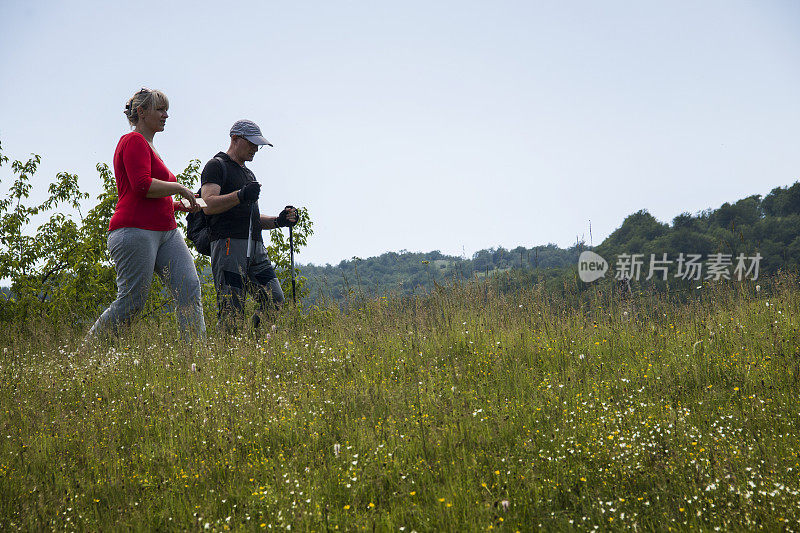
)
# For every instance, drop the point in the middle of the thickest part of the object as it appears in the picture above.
(250, 131)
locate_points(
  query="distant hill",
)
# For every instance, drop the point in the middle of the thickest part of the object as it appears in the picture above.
(769, 226)
(404, 272)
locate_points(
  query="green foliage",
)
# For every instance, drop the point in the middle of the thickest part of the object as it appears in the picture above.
(62, 268)
(50, 268)
(782, 201)
(769, 226)
(189, 177)
(636, 231)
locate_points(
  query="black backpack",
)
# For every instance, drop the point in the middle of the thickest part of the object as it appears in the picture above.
(197, 229)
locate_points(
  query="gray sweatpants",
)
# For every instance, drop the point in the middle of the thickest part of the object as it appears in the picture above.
(137, 254)
(234, 278)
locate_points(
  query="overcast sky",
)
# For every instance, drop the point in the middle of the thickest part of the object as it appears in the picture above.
(450, 126)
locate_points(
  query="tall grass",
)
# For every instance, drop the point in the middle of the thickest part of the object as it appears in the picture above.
(468, 408)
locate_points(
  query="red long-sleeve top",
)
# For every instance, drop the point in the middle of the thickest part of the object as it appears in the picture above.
(135, 167)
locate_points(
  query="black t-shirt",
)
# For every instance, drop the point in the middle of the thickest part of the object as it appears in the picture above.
(235, 222)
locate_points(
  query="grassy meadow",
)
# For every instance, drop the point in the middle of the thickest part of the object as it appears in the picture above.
(464, 410)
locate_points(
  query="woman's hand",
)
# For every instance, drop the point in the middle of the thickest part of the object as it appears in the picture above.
(189, 195)
(178, 205)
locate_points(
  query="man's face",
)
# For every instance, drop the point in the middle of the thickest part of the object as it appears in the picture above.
(245, 149)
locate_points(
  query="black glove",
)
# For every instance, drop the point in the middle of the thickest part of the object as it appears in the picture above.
(283, 217)
(249, 193)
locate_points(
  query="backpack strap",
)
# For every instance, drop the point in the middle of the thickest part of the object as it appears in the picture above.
(224, 170)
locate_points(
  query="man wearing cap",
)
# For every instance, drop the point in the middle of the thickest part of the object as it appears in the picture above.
(231, 192)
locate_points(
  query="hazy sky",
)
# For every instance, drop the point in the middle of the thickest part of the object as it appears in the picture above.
(427, 125)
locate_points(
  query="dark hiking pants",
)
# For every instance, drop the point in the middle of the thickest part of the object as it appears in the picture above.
(234, 279)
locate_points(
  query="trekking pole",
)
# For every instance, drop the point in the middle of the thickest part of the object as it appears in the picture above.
(250, 237)
(291, 255)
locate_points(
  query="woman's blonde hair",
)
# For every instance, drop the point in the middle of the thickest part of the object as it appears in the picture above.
(147, 99)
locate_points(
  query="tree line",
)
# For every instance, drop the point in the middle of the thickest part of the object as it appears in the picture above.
(768, 226)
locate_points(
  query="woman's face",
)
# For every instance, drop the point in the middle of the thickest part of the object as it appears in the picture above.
(154, 119)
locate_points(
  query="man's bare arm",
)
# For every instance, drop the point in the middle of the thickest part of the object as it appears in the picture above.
(217, 203)
(268, 222)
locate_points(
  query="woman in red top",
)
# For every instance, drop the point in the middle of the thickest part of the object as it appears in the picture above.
(143, 238)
